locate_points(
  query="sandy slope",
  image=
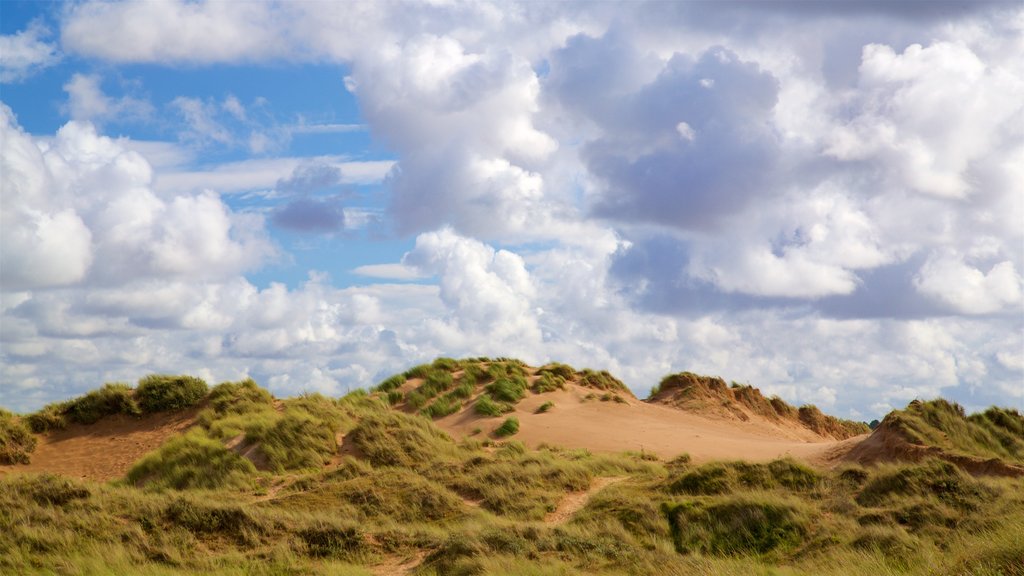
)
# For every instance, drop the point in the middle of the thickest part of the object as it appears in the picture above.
(104, 450)
(639, 426)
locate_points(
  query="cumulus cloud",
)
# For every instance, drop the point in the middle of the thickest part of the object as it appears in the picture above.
(80, 209)
(26, 53)
(489, 293)
(87, 101)
(832, 214)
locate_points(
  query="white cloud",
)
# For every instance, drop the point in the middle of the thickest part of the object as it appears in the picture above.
(25, 53)
(389, 271)
(264, 173)
(968, 289)
(79, 210)
(663, 190)
(86, 101)
(928, 113)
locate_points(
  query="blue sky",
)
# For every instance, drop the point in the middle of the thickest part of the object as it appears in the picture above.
(822, 199)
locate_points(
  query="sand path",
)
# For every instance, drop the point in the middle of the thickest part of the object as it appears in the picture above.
(575, 501)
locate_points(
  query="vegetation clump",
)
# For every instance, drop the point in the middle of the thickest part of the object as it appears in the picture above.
(994, 433)
(508, 428)
(738, 525)
(933, 478)
(16, 441)
(159, 392)
(727, 477)
(189, 461)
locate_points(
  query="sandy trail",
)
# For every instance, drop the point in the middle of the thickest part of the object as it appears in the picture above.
(576, 422)
(104, 450)
(575, 502)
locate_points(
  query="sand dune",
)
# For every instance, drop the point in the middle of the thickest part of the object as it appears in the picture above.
(104, 450)
(576, 422)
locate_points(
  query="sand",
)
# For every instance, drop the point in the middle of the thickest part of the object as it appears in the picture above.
(104, 450)
(641, 427)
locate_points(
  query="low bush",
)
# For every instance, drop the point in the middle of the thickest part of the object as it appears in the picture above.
(203, 517)
(723, 477)
(932, 478)
(509, 389)
(442, 407)
(486, 406)
(106, 401)
(602, 380)
(891, 541)
(545, 407)
(159, 392)
(738, 525)
(394, 397)
(239, 397)
(293, 441)
(392, 383)
(508, 428)
(48, 489)
(16, 441)
(398, 439)
(191, 460)
(449, 364)
(331, 539)
(49, 417)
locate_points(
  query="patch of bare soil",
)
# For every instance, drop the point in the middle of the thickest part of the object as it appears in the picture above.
(104, 450)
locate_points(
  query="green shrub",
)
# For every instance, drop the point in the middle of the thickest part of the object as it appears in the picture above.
(794, 475)
(545, 407)
(415, 399)
(394, 397)
(158, 392)
(723, 477)
(711, 478)
(239, 397)
(50, 417)
(442, 407)
(392, 383)
(48, 489)
(486, 406)
(331, 540)
(203, 517)
(737, 525)
(563, 371)
(508, 428)
(449, 364)
(933, 478)
(106, 401)
(191, 460)
(891, 541)
(16, 441)
(397, 495)
(508, 389)
(295, 440)
(602, 380)
(547, 382)
(421, 371)
(398, 439)
(463, 391)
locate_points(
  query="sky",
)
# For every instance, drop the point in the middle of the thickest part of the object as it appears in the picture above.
(822, 199)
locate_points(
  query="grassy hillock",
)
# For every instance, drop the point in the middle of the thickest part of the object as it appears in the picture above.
(988, 442)
(319, 485)
(711, 395)
(16, 441)
(491, 387)
(994, 433)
